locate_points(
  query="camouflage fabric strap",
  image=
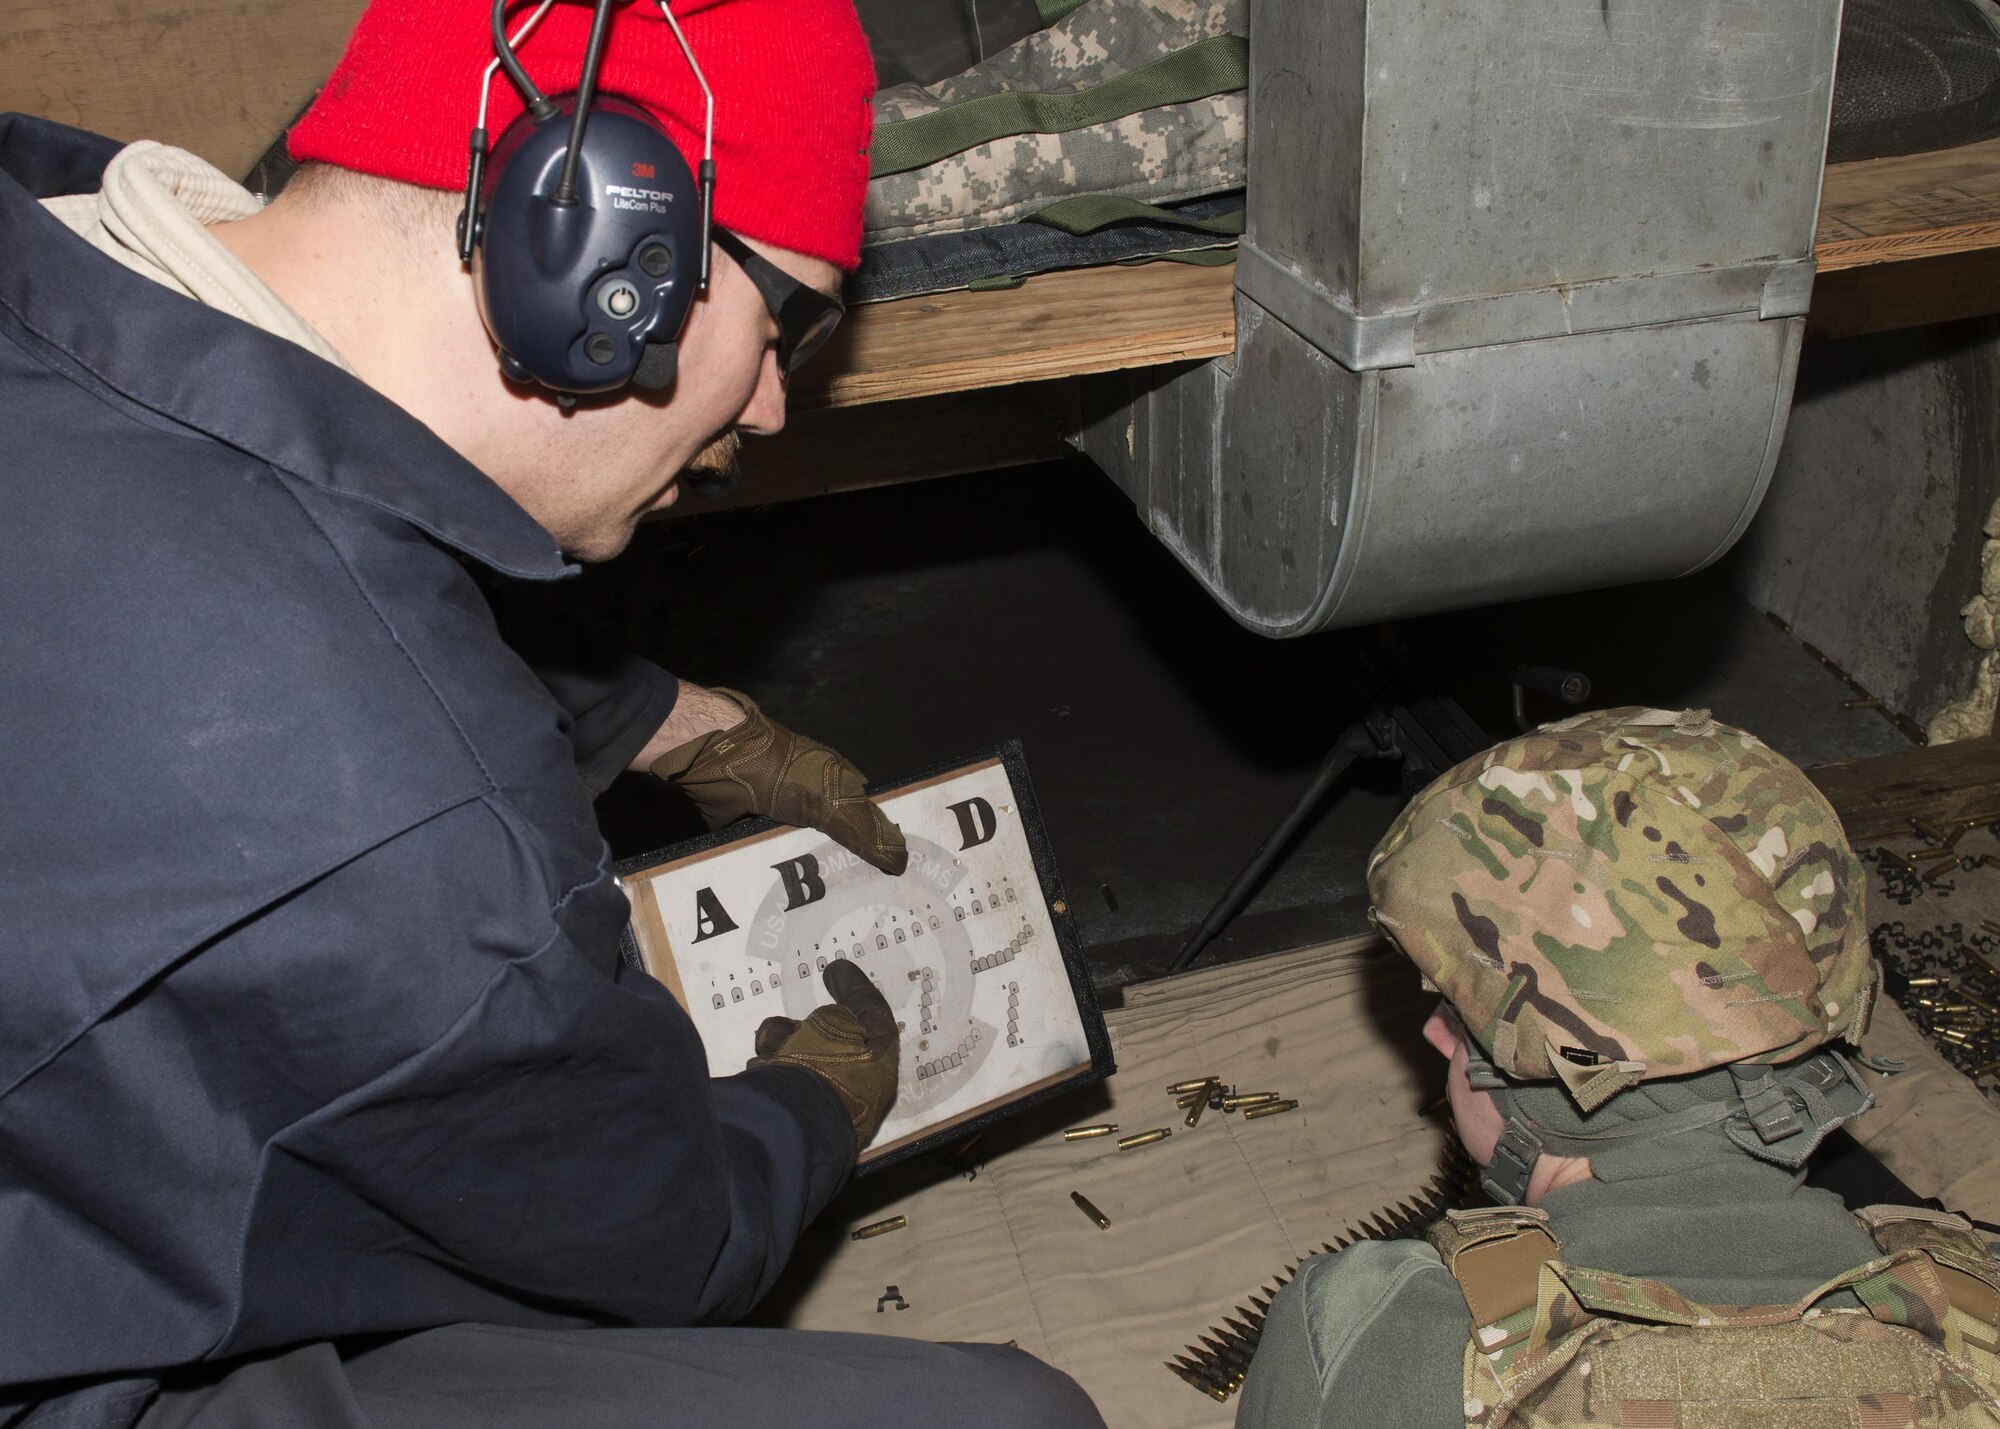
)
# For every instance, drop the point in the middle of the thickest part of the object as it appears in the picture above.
(1496, 1254)
(1217, 65)
(1960, 1269)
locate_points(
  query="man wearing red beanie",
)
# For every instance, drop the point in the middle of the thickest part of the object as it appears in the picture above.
(326, 1097)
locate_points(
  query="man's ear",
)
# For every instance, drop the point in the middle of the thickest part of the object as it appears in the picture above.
(1441, 1031)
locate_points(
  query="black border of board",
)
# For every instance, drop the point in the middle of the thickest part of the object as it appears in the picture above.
(1013, 759)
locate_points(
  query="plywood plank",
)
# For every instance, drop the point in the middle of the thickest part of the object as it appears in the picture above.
(219, 77)
(1914, 206)
(1941, 785)
(1055, 325)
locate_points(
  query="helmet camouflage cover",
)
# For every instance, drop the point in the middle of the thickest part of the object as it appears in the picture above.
(1628, 895)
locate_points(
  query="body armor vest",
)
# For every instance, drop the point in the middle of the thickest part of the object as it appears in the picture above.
(1556, 1346)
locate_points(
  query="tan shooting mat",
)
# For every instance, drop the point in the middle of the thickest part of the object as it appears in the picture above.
(1201, 1220)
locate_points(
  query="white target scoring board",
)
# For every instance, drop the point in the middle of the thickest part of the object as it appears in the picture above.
(962, 945)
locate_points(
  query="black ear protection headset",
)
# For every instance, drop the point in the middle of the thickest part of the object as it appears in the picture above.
(587, 234)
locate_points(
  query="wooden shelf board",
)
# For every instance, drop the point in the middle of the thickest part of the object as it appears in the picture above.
(1916, 206)
(1056, 325)
(1876, 215)
(1941, 784)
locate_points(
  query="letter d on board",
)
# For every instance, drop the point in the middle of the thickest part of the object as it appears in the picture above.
(803, 884)
(710, 917)
(976, 823)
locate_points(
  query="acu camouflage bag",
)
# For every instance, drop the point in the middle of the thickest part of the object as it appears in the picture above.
(1117, 106)
(1555, 1346)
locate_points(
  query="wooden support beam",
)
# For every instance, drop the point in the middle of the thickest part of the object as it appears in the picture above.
(1941, 785)
(1851, 301)
(883, 443)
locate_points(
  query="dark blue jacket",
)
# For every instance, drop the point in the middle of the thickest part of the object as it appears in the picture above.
(312, 1015)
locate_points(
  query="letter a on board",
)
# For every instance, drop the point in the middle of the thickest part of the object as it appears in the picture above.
(710, 917)
(976, 823)
(803, 884)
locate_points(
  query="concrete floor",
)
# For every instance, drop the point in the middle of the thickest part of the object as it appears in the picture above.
(914, 625)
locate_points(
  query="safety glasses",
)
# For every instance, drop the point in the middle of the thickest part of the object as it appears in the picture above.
(806, 317)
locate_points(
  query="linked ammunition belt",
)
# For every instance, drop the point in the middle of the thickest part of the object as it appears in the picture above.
(1216, 1363)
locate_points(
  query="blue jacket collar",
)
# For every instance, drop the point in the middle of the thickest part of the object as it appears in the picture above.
(208, 371)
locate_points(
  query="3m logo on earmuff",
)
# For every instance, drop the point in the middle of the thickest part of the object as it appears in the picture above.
(644, 171)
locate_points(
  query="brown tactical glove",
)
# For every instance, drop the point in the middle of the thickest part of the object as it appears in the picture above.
(760, 767)
(852, 1043)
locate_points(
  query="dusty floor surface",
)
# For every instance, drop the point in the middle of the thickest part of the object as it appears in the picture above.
(1936, 931)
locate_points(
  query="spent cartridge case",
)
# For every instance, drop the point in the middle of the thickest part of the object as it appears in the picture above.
(1267, 1109)
(1084, 1133)
(875, 1228)
(1244, 1099)
(1103, 1221)
(1194, 1113)
(1145, 1138)
(1199, 1083)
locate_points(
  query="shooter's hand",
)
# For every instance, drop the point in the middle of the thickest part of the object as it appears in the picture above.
(760, 767)
(852, 1043)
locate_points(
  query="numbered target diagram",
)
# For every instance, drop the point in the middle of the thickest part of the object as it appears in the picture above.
(970, 946)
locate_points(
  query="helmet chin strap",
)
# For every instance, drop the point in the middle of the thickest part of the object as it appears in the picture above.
(1779, 1115)
(1506, 1176)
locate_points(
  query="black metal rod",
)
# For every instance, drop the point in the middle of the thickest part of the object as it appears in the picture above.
(536, 101)
(1358, 742)
(586, 90)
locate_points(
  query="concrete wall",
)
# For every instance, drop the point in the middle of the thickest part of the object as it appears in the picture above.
(220, 77)
(1868, 541)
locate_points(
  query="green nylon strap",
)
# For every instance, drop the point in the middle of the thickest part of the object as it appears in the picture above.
(1086, 213)
(1193, 258)
(1216, 65)
(1054, 10)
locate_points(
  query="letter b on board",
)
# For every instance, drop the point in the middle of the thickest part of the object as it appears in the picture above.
(976, 823)
(803, 884)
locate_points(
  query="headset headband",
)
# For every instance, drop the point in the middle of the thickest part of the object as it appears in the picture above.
(538, 105)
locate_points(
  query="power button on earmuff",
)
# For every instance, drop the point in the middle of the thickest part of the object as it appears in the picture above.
(619, 299)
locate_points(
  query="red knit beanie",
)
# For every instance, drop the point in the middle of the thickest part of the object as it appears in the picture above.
(792, 79)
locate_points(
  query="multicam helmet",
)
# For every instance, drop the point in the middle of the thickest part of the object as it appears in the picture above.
(1629, 895)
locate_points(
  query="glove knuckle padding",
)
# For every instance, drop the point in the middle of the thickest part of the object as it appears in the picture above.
(851, 1044)
(837, 1024)
(761, 767)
